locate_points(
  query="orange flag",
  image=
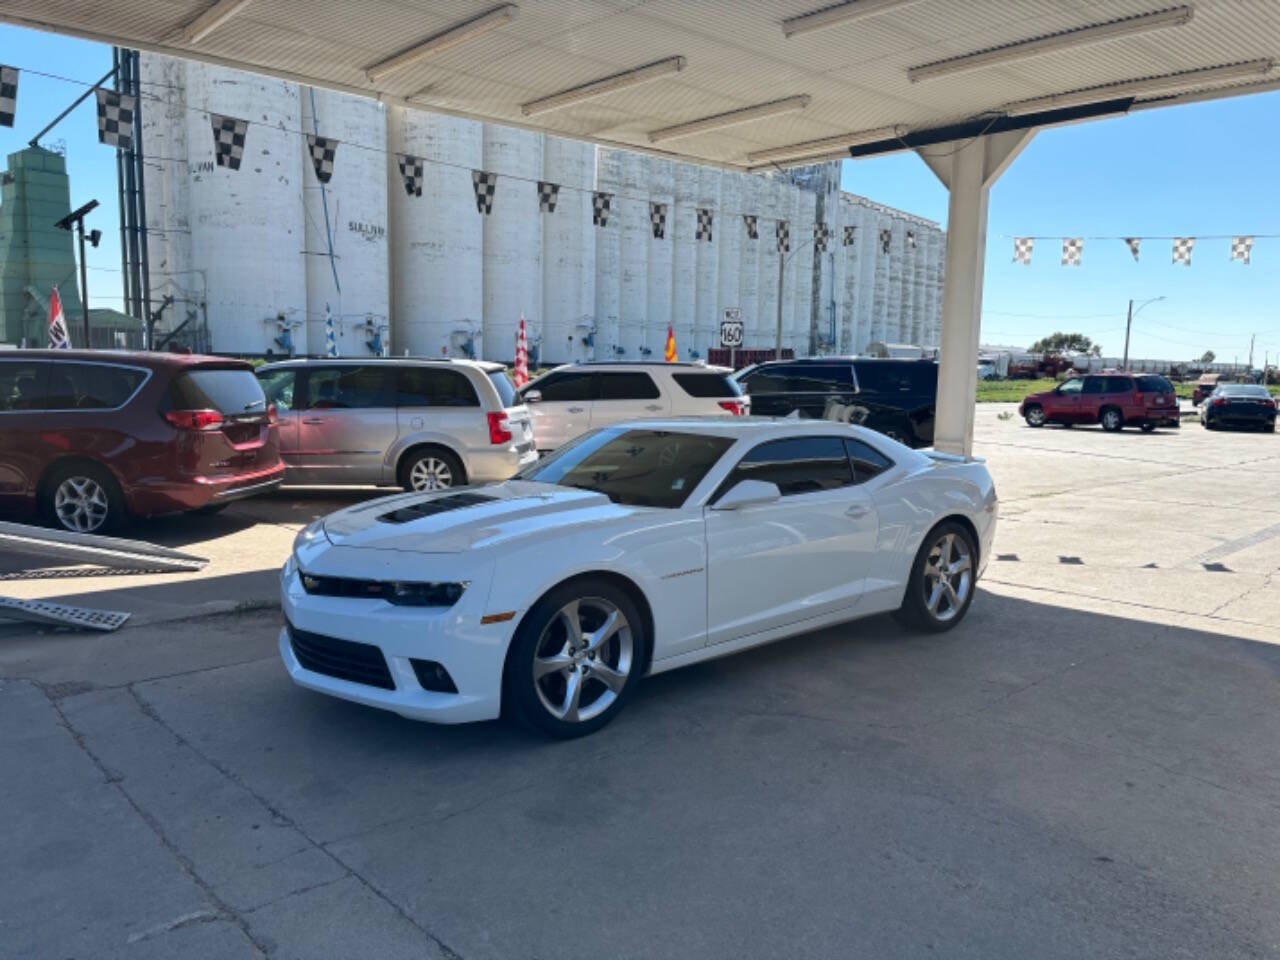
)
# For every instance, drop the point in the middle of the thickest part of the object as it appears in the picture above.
(671, 356)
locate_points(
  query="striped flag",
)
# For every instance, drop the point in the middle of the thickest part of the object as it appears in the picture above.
(670, 354)
(330, 337)
(520, 373)
(59, 338)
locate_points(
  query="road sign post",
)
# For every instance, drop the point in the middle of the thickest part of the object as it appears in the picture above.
(731, 333)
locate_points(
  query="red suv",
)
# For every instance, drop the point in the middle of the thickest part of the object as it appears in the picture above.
(89, 436)
(1112, 399)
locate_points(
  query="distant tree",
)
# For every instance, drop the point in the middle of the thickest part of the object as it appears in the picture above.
(1208, 357)
(1067, 343)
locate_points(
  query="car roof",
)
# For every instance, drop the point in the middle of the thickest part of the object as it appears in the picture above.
(137, 357)
(738, 426)
(487, 366)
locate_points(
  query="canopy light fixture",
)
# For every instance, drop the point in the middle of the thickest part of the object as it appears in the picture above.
(810, 148)
(598, 88)
(1216, 93)
(1066, 40)
(1169, 83)
(733, 117)
(840, 13)
(805, 161)
(212, 18)
(497, 17)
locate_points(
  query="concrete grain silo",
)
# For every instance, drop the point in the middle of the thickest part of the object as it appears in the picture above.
(752, 202)
(775, 206)
(568, 253)
(658, 316)
(437, 238)
(706, 309)
(633, 221)
(800, 276)
(512, 243)
(608, 259)
(731, 237)
(682, 231)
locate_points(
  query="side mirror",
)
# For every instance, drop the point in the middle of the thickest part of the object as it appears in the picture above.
(531, 396)
(748, 493)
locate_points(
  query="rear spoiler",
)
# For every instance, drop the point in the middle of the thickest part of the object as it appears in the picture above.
(942, 457)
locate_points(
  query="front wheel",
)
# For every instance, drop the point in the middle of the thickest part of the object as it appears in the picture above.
(941, 583)
(1034, 416)
(576, 659)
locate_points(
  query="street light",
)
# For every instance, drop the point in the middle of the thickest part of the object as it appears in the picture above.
(1133, 313)
(76, 219)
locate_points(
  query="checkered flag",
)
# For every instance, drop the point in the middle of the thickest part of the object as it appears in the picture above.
(658, 219)
(411, 171)
(485, 185)
(752, 222)
(115, 118)
(911, 239)
(600, 205)
(322, 150)
(548, 194)
(1182, 247)
(1022, 250)
(1241, 247)
(886, 238)
(850, 231)
(1134, 244)
(705, 218)
(1072, 248)
(228, 140)
(821, 234)
(783, 230)
(8, 95)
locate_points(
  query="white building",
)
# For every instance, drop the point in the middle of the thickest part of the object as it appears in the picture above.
(257, 258)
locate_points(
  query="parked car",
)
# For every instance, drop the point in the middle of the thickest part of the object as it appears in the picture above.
(1207, 383)
(572, 399)
(987, 371)
(1239, 405)
(1115, 400)
(89, 437)
(893, 397)
(635, 549)
(414, 423)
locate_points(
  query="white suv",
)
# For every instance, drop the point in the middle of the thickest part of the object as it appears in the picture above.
(418, 424)
(578, 397)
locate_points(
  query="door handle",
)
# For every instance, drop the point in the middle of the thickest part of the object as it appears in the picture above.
(653, 406)
(857, 510)
(313, 420)
(575, 409)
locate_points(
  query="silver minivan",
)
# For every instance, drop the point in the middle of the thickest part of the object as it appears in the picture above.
(414, 423)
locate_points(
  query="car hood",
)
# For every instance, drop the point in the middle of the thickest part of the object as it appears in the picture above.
(467, 518)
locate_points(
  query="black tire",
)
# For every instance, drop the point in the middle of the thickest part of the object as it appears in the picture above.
(209, 509)
(419, 465)
(82, 497)
(1034, 416)
(1148, 427)
(915, 611)
(1208, 424)
(1067, 425)
(1269, 427)
(1112, 419)
(540, 636)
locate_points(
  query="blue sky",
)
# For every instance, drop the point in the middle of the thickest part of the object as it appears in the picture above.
(1192, 170)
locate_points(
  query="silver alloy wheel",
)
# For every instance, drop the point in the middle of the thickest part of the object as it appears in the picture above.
(1035, 416)
(430, 473)
(948, 577)
(81, 504)
(583, 659)
(1111, 420)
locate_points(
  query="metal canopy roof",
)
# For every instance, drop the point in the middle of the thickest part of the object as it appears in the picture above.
(849, 75)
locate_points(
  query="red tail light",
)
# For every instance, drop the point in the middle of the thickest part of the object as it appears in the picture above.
(736, 407)
(1219, 401)
(499, 432)
(273, 415)
(195, 419)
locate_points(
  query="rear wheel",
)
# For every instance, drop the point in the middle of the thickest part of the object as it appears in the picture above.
(431, 469)
(1112, 420)
(1034, 415)
(942, 579)
(1269, 427)
(83, 498)
(1148, 427)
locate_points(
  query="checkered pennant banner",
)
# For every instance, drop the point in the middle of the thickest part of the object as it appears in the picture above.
(658, 219)
(548, 194)
(1072, 248)
(485, 185)
(911, 239)
(783, 230)
(411, 172)
(601, 203)
(821, 234)
(705, 218)
(850, 232)
(1022, 250)
(1182, 247)
(322, 150)
(1241, 247)
(1135, 245)
(752, 222)
(886, 238)
(8, 95)
(115, 118)
(228, 140)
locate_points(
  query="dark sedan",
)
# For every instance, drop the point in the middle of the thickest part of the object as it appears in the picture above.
(1239, 405)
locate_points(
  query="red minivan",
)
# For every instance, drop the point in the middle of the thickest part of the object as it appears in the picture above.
(88, 437)
(1113, 400)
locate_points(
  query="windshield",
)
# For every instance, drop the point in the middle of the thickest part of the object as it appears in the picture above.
(641, 468)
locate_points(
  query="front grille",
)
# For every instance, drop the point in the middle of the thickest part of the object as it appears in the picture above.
(343, 659)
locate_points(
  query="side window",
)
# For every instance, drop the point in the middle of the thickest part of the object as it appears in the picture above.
(924, 377)
(1071, 386)
(627, 386)
(1119, 384)
(572, 385)
(278, 386)
(1094, 385)
(434, 387)
(1154, 384)
(707, 385)
(820, 378)
(22, 385)
(867, 461)
(90, 386)
(886, 377)
(766, 381)
(348, 388)
(796, 464)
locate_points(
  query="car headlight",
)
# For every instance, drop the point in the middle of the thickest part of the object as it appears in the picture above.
(310, 532)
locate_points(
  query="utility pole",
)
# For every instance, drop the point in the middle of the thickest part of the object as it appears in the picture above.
(1251, 339)
(75, 220)
(1127, 324)
(777, 350)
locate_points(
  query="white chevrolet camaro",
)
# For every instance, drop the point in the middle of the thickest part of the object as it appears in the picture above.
(634, 549)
